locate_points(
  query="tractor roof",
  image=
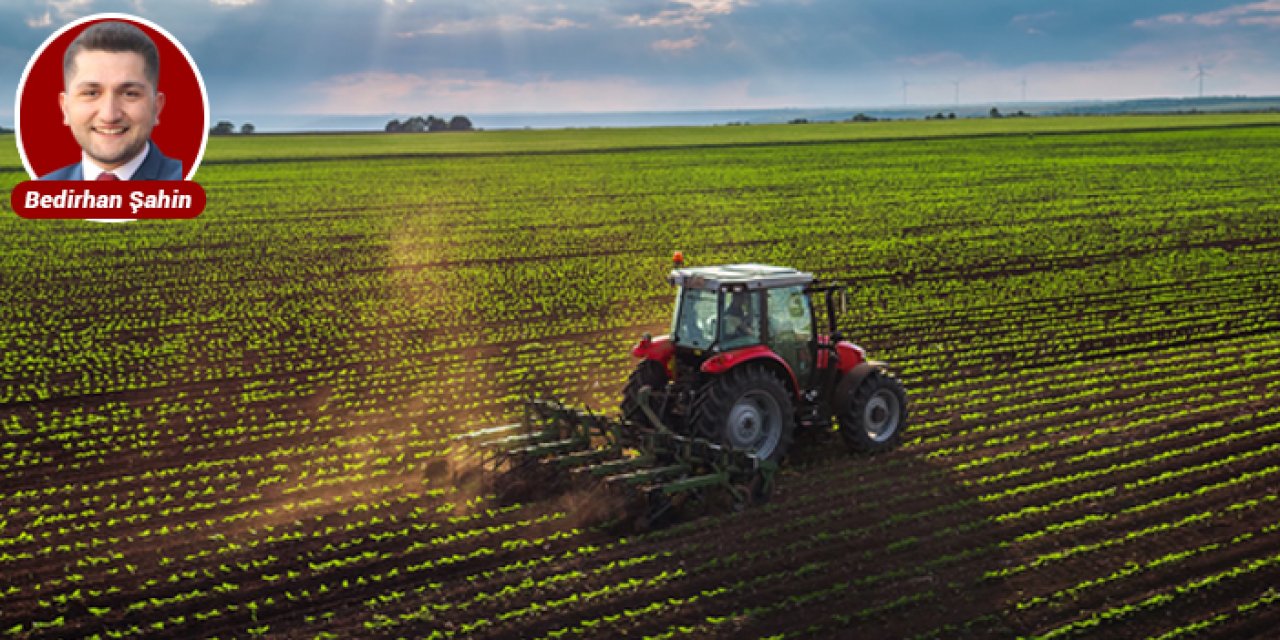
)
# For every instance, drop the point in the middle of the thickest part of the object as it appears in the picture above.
(753, 276)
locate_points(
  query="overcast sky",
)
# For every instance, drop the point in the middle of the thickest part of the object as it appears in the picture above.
(487, 56)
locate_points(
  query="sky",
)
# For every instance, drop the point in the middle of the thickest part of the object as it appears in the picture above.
(488, 56)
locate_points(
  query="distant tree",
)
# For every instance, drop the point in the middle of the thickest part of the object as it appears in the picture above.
(460, 123)
(4, 130)
(799, 121)
(414, 125)
(247, 128)
(437, 124)
(224, 127)
(393, 126)
(951, 116)
(995, 113)
(862, 117)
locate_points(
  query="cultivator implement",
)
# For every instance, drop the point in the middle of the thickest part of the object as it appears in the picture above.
(556, 448)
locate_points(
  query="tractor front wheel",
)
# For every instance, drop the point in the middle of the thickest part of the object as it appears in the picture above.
(747, 409)
(873, 415)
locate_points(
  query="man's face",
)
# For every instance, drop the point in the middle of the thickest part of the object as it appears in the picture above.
(110, 106)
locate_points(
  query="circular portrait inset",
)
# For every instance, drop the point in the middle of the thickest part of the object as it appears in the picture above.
(111, 97)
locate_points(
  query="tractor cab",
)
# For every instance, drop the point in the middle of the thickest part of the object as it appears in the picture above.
(730, 307)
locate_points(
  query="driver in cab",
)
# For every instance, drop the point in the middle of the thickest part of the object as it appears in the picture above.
(739, 321)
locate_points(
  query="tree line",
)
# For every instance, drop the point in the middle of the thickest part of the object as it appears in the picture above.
(226, 128)
(418, 124)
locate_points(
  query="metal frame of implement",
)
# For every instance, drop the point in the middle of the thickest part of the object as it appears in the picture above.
(657, 462)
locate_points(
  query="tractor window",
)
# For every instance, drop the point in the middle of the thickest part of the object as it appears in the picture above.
(696, 320)
(790, 319)
(791, 329)
(740, 323)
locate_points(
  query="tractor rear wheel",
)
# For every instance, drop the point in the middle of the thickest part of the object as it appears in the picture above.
(874, 414)
(747, 409)
(649, 373)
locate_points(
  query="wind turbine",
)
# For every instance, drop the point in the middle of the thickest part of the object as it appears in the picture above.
(905, 84)
(957, 84)
(1200, 74)
(1024, 88)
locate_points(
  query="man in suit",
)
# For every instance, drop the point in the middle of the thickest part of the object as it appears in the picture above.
(110, 103)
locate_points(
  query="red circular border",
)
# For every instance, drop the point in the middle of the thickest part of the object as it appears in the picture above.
(46, 144)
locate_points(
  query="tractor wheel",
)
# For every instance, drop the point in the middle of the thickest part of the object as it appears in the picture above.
(649, 373)
(748, 409)
(873, 415)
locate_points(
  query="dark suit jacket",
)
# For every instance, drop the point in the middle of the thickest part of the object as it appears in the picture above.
(156, 167)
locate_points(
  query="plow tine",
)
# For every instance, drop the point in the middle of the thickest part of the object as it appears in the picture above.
(512, 443)
(580, 458)
(614, 467)
(647, 475)
(492, 431)
(549, 448)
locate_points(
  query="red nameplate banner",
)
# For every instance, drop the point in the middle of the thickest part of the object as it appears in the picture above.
(106, 200)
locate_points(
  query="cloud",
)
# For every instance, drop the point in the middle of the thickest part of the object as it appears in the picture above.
(1167, 19)
(1265, 21)
(715, 6)
(936, 59)
(1265, 13)
(60, 11)
(43, 21)
(501, 23)
(693, 14)
(683, 44)
(63, 11)
(1032, 23)
(233, 3)
(668, 18)
(687, 16)
(68, 9)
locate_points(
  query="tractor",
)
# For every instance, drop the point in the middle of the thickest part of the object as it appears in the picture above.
(745, 365)
(714, 404)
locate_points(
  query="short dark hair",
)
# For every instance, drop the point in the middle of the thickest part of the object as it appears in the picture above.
(117, 37)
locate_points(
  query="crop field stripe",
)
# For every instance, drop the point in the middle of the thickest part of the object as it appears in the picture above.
(1249, 617)
(1064, 383)
(1171, 595)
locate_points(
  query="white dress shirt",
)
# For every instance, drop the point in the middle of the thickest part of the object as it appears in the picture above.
(124, 172)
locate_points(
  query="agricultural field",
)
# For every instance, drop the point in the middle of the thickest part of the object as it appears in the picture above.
(239, 426)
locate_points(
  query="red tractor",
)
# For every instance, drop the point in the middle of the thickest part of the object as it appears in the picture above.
(714, 405)
(745, 364)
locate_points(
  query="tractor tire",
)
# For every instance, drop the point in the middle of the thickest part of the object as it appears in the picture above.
(649, 373)
(748, 409)
(873, 416)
